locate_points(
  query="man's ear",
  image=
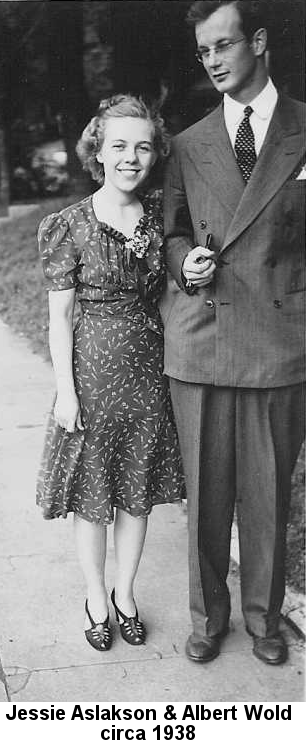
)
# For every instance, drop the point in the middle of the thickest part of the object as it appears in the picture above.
(259, 42)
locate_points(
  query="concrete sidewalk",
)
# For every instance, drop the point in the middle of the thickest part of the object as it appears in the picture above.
(43, 652)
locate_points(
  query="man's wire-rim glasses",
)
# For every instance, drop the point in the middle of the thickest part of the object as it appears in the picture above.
(222, 49)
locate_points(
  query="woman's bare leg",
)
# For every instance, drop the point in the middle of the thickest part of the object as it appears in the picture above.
(129, 537)
(91, 541)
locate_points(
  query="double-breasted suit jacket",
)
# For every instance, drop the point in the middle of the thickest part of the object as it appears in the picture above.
(245, 329)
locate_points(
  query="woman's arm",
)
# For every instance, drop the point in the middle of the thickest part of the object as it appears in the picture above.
(67, 408)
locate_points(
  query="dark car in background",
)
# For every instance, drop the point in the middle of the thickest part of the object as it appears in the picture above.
(43, 172)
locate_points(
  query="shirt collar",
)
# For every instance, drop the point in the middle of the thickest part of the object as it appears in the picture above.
(263, 104)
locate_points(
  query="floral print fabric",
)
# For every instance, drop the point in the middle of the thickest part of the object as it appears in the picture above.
(128, 454)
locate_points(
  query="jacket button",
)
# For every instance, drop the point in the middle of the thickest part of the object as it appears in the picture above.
(210, 303)
(278, 304)
(203, 223)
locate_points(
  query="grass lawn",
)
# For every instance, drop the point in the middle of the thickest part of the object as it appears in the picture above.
(23, 305)
(23, 298)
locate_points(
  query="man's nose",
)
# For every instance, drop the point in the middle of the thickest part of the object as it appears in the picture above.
(213, 58)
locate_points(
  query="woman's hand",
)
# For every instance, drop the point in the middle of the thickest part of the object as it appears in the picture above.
(67, 411)
(67, 407)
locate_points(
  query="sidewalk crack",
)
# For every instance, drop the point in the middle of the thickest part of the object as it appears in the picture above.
(17, 679)
(4, 681)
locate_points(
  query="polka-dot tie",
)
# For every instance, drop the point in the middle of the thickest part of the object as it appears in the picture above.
(245, 145)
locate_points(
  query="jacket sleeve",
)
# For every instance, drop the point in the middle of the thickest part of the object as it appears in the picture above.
(178, 231)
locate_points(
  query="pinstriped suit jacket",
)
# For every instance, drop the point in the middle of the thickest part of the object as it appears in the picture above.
(245, 329)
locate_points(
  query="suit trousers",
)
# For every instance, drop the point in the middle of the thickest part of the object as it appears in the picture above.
(238, 446)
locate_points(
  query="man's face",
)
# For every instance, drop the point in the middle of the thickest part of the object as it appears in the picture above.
(233, 70)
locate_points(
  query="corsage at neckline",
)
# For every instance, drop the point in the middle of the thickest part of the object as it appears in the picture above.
(139, 243)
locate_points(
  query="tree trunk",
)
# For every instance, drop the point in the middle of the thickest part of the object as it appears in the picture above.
(4, 69)
(67, 92)
(4, 177)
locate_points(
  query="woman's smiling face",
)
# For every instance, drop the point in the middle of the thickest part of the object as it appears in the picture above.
(127, 153)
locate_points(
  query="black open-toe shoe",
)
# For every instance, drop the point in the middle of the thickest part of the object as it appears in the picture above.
(99, 635)
(131, 628)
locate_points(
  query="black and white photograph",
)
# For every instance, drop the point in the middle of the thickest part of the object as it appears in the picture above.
(152, 367)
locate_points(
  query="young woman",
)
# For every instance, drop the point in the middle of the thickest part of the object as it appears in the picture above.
(111, 450)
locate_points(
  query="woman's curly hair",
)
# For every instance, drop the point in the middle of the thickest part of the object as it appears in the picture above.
(120, 105)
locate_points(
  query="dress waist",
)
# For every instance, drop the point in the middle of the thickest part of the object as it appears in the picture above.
(131, 309)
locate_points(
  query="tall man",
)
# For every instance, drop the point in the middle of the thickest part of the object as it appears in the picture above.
(233, 315)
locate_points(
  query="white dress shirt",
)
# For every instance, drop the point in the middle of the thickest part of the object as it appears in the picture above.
(263, 107)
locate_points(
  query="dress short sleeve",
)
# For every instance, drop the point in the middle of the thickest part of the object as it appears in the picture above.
(58, 253)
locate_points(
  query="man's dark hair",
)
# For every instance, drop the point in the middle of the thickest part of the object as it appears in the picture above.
(253, 13)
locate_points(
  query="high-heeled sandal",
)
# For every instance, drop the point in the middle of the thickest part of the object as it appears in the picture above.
(99, 635)
(131, 628)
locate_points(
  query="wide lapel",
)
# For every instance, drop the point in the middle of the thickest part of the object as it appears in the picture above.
(278, 157)
(214, 159)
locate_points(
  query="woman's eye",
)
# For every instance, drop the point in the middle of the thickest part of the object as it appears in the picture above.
(145, 148)
(118, 146)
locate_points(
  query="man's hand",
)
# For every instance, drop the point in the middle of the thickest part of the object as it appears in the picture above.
(198, 268)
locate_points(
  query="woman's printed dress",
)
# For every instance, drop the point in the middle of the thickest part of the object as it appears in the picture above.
(128, 454)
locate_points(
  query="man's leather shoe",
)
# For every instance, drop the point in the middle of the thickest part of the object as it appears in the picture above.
(204, 650)
(271, 650)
